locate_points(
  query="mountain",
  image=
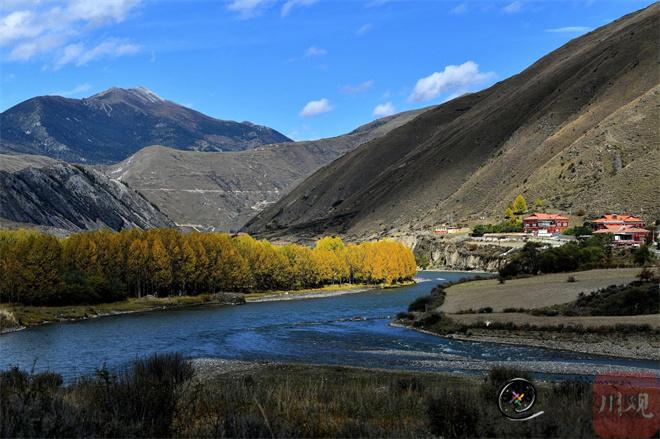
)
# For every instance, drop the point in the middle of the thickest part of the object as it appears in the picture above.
(110, 126)
(47, 192)
(221, 191)
(578, 128)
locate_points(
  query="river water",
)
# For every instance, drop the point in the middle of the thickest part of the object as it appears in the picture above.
(351, 329)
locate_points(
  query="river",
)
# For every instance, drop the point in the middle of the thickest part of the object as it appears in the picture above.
(349, 330)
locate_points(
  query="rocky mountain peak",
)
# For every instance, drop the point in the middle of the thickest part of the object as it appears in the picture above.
(133, 95)
(111, 125)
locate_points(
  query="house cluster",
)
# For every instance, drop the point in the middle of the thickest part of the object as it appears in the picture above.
(627, 229)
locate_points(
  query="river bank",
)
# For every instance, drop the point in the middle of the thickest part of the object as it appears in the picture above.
(316, 293)
(634, 346)
(629, 346)
(18, 317)
(30, 316)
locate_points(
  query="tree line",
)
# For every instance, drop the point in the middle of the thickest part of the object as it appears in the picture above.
(595, 252)
(106, 266)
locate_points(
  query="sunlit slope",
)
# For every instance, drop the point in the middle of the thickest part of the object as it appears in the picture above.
(578, 128)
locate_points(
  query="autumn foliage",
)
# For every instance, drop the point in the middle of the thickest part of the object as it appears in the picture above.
(105, 266)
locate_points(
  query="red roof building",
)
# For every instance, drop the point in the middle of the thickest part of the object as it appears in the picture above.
(545, 224)
(614, 219)
(625, 235)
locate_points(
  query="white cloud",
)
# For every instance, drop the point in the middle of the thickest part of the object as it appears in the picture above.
(18, 25)
(569, 29)
(70, 54)
(27, 49)
(459, 9)
(454, 79)
(314, 51)
(77, 53)
(54, 29)
(513, 7)
(357, 88)
(100, 11)
(365, 28)
(314, 108)
(382, 110)
(290, 4)
(77, 90)
(247, 8)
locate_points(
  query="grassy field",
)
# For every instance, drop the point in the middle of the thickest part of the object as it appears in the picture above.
(532, 292)
(163, 396)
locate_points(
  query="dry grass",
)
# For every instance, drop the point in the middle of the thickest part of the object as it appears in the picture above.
(545, 321)
(532, 292)
(7, 320)
(159, 397)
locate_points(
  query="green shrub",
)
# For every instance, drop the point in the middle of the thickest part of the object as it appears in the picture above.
(503, 227)
(422, 261)
(595, 252)
(642, 255)
(420, 304)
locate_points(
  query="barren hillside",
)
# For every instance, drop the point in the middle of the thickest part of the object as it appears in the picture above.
(578, 128)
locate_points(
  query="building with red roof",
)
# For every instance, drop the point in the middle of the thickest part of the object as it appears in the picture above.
(625, 235)
(616, 219)
(545, 224)
(627, 229)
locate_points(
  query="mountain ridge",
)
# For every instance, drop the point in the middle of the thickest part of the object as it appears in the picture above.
(222, 191)
(111, 125)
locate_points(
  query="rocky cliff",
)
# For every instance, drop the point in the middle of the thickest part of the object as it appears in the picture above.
(39, 190)
(459, 253)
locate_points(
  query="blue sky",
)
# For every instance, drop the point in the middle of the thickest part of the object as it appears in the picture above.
(308, 68)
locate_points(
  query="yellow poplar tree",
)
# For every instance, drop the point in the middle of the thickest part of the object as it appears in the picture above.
(138, 258)
(519, 205)
(159, 267)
